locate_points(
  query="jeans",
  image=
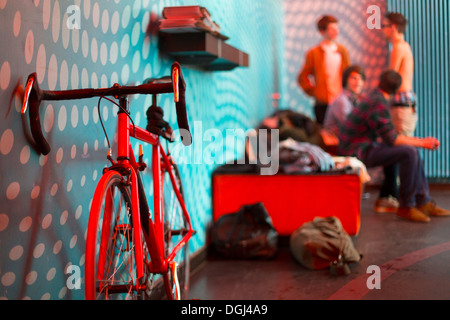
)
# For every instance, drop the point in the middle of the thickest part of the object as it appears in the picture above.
(389, 186)
(320, 110)
(413, 189)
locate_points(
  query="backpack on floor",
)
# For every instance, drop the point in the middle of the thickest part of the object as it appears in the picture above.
(323, 243)
(246, 234)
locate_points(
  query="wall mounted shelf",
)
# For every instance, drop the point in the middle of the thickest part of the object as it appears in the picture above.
(203, 50)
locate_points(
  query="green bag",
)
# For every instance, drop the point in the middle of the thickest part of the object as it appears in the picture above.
(323, 243)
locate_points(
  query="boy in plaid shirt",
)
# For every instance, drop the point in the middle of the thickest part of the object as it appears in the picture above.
(369, 135)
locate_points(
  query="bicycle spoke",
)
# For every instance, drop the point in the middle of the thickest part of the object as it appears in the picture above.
(115, 264)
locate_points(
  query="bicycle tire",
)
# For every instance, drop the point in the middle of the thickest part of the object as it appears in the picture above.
(175, 227)
(110, 218)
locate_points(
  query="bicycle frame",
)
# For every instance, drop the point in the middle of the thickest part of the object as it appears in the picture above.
(127, 161)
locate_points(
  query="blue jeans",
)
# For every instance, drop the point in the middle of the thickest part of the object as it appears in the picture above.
(389, 186)
(413, 189)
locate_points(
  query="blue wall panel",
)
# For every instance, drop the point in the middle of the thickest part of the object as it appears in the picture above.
(428, 33)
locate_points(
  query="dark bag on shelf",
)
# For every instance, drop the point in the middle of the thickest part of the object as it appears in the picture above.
(323, 243)
(246, 234)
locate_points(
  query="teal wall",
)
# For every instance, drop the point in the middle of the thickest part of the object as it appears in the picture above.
(44, 200)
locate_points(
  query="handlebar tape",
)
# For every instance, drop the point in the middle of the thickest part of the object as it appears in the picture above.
(35, 122)
(182, 119)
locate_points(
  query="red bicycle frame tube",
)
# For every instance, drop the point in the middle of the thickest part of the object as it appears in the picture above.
(155, 238)
(183, 208)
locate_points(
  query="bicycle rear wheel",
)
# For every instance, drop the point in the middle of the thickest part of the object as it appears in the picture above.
(175, 228)
(110, 271)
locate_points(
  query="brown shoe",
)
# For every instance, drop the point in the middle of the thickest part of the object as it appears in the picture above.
(412, 214)
(389, 204)
(432, 209)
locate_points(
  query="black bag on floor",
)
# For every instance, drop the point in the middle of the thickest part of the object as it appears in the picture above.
(246, 234)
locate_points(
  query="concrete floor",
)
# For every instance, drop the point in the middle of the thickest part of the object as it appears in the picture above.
(414, 262)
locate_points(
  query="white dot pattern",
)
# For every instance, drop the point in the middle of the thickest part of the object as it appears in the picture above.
(45, 200)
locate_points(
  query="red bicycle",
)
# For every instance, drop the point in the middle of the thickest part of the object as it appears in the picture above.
(132, 253)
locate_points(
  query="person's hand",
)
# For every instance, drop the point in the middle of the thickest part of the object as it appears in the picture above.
(430, 143)
(329, 138)
(271, 123)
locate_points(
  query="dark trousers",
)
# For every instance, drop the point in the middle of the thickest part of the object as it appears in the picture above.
(389, 186)
(413, 190)
(320, 109)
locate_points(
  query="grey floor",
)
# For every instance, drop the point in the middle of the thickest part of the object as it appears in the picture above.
(413, 260)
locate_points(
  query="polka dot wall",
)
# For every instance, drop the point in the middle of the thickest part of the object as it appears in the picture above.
(45, 200)
(367, 47)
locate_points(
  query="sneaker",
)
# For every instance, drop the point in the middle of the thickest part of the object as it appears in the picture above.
(388, 204)
(412, 214)
(432, 209)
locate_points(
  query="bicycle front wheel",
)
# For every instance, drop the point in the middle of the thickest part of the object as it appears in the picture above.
(175, 228)
(110, 271)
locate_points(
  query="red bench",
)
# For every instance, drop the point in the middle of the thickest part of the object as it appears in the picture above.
(292, 200)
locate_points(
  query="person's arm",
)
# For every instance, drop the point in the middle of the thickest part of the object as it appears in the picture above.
(342, 109)
(395, 60)
(337, 112)
(329, 138)
(307, 71)
(382, 123)
(426, 143)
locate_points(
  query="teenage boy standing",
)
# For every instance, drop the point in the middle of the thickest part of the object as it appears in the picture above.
(403, 104)
(321, 75)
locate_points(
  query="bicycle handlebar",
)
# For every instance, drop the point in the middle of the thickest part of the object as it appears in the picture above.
(34, 95)
(180, 101)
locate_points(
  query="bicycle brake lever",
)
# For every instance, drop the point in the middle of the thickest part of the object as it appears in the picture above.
(28, 88)
(175, 82)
